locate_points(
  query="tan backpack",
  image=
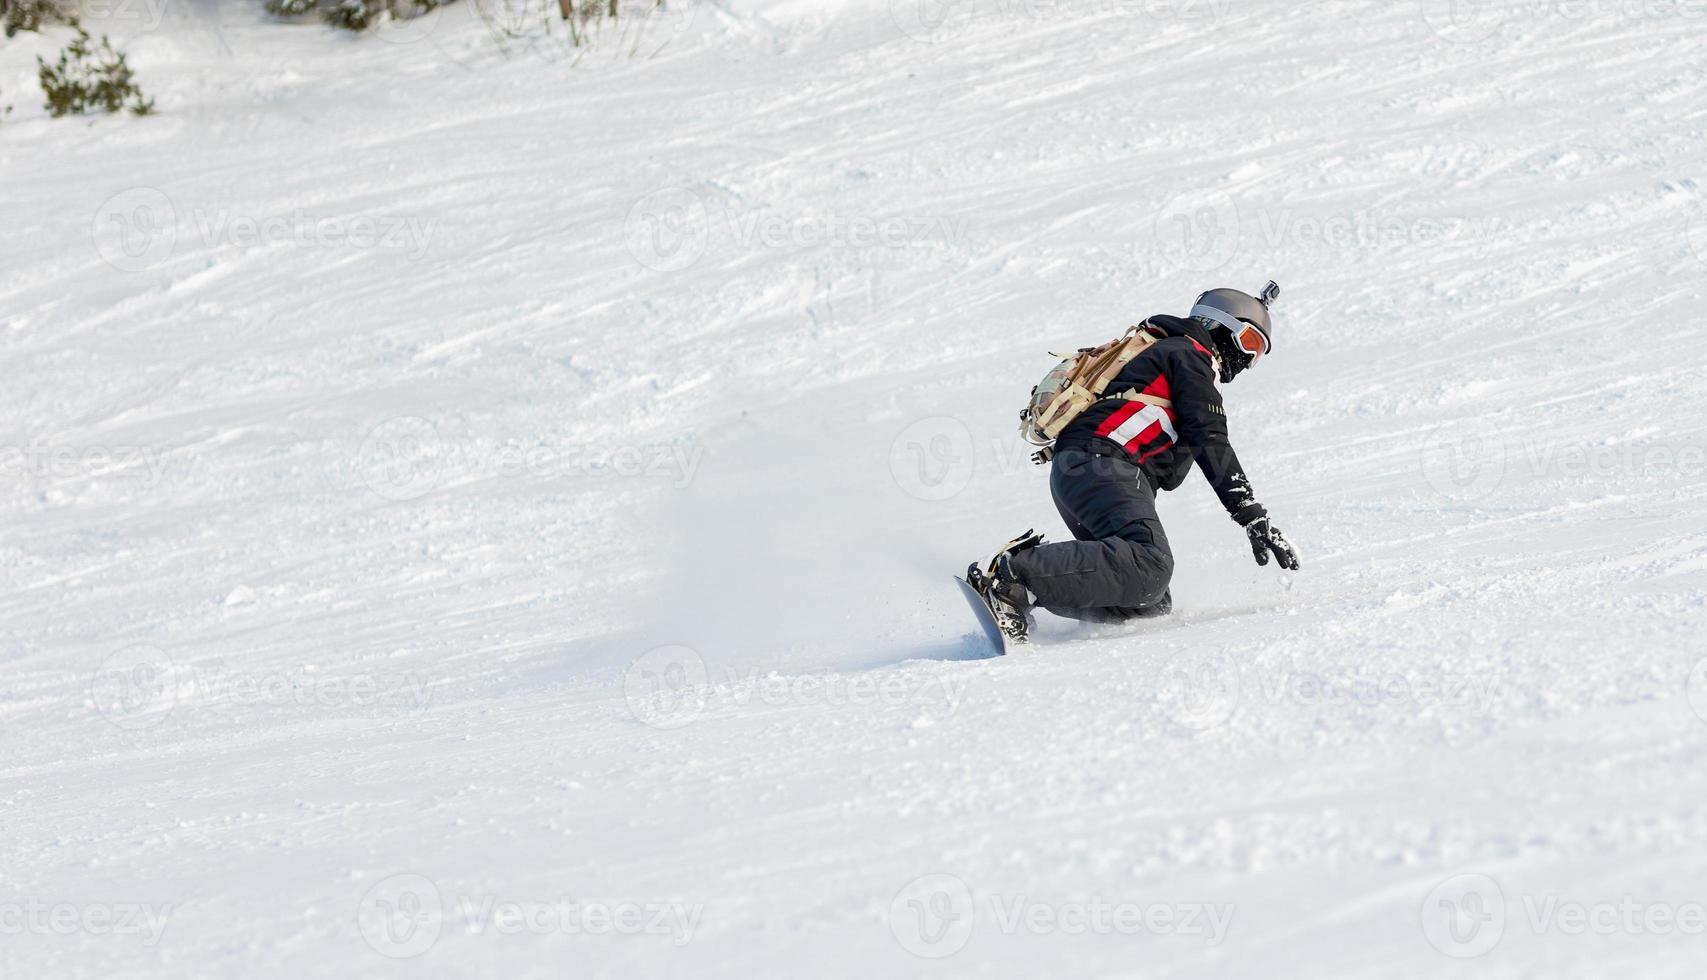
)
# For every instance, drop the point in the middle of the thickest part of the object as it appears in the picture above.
(1078, 382)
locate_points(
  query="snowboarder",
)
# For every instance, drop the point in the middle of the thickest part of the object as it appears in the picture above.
(1141, 434)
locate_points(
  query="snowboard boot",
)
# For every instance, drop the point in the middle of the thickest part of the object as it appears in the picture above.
(1156, 610)
(1009, 601)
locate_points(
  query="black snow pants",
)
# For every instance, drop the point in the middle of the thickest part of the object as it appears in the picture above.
(1120, 566)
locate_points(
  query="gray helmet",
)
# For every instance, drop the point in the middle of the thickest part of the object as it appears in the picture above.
(1228, 307)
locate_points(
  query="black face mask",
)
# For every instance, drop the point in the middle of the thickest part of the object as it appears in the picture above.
(1233, 360)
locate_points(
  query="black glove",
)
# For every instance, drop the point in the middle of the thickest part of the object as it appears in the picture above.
(1266, 538)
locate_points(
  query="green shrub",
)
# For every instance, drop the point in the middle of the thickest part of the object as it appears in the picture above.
(354, 15)
(90, 79)
(30, 15)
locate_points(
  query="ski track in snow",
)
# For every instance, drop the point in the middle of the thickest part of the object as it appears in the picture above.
(311, 580)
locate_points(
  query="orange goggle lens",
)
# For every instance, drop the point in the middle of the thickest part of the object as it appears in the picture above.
(1251, 341)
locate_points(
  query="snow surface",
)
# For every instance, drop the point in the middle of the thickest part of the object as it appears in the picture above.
(484, 516)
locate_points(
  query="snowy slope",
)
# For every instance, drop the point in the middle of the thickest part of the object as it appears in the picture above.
(443, 482)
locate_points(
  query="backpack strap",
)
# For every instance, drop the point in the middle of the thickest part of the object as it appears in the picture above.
(1139, 396)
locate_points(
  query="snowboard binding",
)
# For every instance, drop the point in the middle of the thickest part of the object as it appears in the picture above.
(1008, 600)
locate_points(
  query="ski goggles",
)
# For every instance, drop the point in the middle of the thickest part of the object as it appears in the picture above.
(1246, 336)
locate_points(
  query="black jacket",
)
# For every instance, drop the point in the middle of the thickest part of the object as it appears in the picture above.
(1166, 441)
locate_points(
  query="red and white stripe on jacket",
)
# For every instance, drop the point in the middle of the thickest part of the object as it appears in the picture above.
(1143, 427)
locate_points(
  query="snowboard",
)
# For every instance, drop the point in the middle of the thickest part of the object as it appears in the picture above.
(986, 619)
